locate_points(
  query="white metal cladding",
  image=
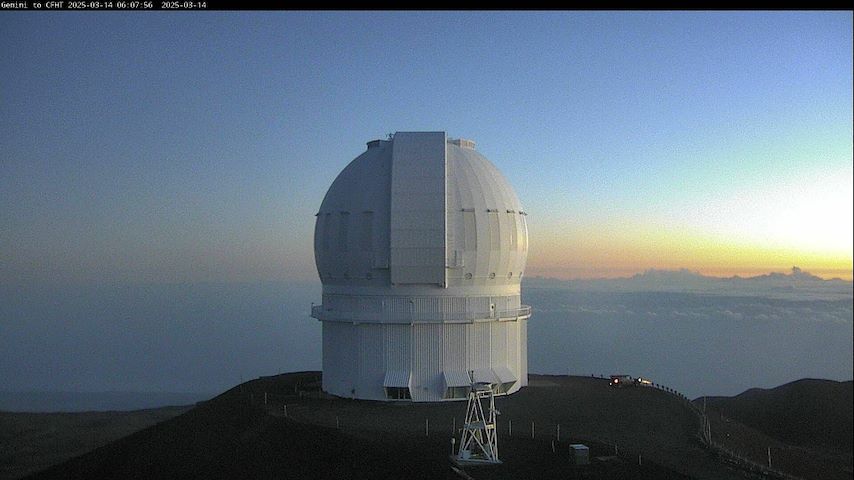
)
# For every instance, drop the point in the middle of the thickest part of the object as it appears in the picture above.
(485, 375)
(456, 379)
(486, 224)
(396, 347)
(523, 353)
(421, 244)
(340, 356)
(397, 378)
(427, 340)
(479, 345)
(454, 347)
(513, 348)
(360, 193)
(408, 309)
(371, 363)
(418, 208)
(498, 342)
(451, 208)
(361, 359)
(504, 374)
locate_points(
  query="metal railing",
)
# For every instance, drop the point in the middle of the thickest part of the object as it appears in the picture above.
(321, 313)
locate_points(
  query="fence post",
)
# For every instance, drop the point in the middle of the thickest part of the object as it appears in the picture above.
(558, 432)
(426, 427)
(285, 408)
(265, 398)
(532, 429)
(337, 422)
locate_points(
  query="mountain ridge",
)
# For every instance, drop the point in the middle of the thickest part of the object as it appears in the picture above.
(808, 412)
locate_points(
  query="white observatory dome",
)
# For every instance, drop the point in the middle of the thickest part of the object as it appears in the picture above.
(420, 244)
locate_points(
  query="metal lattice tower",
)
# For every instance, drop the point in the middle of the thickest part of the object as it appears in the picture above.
(479, 442)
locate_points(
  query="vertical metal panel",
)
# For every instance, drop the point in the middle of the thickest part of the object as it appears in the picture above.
(454, 308)
(427, 378)
(469, 230)
(366, 229)
(348, 356)
(500, 303)
(454, 347)
(478, 304)
(494, 240)
(329, 361)
(418, 240)
(477, 254)
(523, 356)
(478, 345)
(521, 248)
(397, 339)
(343, 231)
(480, 189)
(423, 307)
(498, 343)
(369, 307)
(331, 373)
(459, 180)
(454, 231)
(327, 230)
(506, 253)
(514, 230)
(339, 358)
(523, 240)
(513, 347)
(371, 362)
(400, 308)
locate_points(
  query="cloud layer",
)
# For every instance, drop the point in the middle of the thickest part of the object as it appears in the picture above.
(741, 333)
(207, 337)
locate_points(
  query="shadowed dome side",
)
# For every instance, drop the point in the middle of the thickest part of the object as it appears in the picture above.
(351, 233)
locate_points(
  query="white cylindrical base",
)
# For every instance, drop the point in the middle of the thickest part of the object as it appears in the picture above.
(429, 360)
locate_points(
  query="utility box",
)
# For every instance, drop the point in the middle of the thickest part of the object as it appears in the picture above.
(580, 454)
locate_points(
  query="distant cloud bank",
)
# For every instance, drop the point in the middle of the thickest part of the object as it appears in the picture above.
(797, 285)
(699, 334)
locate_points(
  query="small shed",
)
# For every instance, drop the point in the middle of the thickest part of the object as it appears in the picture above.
(580, 454)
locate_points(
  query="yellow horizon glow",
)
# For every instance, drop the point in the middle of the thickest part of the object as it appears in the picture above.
(619, 251)
(814, 215)
(805, 221)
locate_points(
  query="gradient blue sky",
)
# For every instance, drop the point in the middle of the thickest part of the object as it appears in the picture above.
(186, 147)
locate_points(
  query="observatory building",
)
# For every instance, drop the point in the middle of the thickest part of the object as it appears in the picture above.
(420, 244)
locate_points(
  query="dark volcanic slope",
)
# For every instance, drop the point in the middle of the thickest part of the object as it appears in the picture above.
(30, 442)
(237, 435)
(809, 413)
(223, 438)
